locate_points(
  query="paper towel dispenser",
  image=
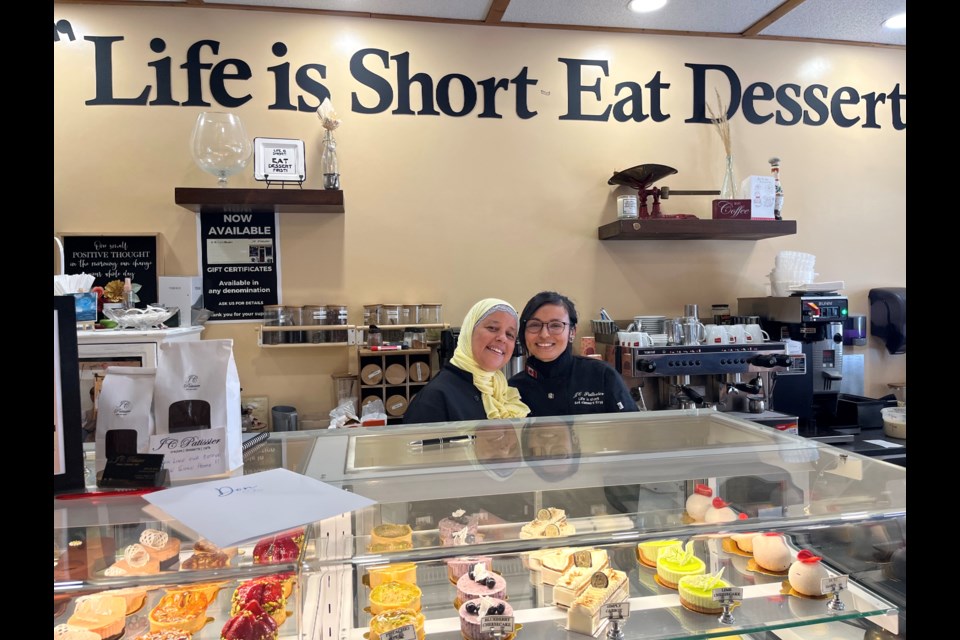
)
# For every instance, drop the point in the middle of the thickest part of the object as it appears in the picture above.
(888, 317)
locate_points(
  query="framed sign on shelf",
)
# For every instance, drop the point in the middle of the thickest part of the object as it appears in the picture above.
(279, 160)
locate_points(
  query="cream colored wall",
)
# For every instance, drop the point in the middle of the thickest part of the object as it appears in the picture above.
(456, 209)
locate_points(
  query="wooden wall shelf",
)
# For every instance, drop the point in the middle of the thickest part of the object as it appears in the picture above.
(273, 200)
(669, 229)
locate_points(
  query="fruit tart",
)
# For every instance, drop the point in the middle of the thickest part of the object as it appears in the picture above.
(207, 555)
(252, 623)
(71, 632)
(184, 609)
(161, 546)
(104, 615)
(267, 592)
(284, 547)
(136, 561)
(166, 634)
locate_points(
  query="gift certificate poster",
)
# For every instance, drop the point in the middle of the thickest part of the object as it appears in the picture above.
(240, 258)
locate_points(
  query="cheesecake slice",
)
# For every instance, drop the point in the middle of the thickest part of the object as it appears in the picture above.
(585, 614)
(576, 579)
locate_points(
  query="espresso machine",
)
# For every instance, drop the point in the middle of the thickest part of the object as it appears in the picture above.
(687, 373)
(810, 387)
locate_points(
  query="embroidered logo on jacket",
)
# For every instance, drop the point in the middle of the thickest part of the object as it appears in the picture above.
(588, 398)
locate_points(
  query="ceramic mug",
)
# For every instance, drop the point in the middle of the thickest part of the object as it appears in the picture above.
(756, 334)
(737, 333)
(640, 339)
(716, 334)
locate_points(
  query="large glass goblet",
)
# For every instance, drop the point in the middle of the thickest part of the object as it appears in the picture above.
(220, 145)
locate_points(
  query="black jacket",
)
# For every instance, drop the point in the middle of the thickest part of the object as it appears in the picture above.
(449, 396)
(572, 385)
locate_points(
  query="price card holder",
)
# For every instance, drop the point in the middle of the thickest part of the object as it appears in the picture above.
(616, 613)
(497, 626)
(834, 585)
(406, 632)
(728, 597)
(616, 610)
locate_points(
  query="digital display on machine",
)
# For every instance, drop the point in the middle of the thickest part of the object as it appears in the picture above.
(824, 309)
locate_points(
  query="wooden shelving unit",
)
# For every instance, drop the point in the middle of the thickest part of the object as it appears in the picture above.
(669, 229)
(348, 329)
(273, 200)
(394, 377)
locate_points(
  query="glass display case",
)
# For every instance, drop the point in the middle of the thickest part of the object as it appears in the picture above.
(519, 491)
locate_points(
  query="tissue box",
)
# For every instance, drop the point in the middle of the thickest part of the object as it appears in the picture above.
(760, 190)
(181, 292)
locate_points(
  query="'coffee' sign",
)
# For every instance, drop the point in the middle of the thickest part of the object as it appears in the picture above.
(731, 209)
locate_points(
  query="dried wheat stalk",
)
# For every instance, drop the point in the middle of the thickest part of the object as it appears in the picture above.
(721, 123)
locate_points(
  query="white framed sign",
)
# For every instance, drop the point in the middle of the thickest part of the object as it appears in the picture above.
(279, 160)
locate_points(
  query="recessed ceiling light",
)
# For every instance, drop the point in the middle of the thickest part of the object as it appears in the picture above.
(898, 21)
(645, 6)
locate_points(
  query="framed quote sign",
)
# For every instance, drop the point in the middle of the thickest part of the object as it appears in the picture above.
(109, 257)
(279, 160)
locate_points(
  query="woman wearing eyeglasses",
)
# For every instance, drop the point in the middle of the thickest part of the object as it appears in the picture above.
(471, 386)
(554, 381)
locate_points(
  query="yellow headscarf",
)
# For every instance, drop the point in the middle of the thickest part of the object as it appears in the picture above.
(499, 399)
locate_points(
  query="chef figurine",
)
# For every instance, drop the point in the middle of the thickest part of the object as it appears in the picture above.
(778, 188)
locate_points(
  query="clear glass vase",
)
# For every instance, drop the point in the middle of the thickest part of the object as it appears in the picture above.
(728, 190)
(329, 164)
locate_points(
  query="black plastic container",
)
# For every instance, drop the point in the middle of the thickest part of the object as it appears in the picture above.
(860, 411)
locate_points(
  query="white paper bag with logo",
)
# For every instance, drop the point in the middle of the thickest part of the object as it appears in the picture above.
(125, 416)
(198, 389)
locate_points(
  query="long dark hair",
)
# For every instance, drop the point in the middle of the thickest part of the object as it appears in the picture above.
(547, 297)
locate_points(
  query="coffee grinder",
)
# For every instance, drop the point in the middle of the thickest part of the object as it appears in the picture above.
(810, 387)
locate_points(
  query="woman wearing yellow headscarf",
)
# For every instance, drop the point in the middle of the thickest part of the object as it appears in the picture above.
(471, 386)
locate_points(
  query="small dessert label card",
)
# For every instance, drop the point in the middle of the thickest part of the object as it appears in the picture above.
(833, 584)
(616, 610)
(728, 595)
(406, 632)
(236, 510)
(494, 625)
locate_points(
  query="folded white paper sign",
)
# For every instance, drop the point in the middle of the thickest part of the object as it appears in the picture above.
(245, 508)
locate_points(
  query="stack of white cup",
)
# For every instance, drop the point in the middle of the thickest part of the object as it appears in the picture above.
(792, 268)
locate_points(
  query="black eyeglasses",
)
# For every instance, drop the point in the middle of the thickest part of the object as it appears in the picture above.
(554, 327)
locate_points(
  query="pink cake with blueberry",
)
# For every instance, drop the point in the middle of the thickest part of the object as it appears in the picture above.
(458, 529)
(473, 611)
(479, 581)
(461, 566)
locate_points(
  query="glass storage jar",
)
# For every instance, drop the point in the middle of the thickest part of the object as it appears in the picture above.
(337, 314)
(390, 313)
(371, 314)
(271, 318)
(430, 313)
(410, 314)
(315, 315)
(292, 317)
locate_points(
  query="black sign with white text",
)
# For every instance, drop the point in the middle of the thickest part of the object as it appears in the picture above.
(115, 257)
(240, 264)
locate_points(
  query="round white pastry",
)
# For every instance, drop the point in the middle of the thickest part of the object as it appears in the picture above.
(770, 552)
(806, 574)
(744, 541)
(718, 511)
(698, 502)
(723, 514)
